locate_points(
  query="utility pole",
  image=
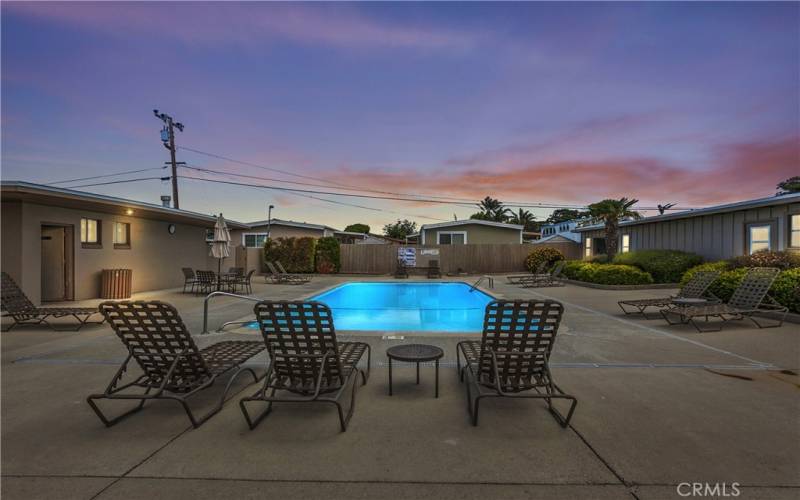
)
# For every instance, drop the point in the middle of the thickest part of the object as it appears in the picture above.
(168, 138)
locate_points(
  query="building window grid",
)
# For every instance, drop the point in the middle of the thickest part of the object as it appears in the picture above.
(759, 238)
(254, 240)
(794, 230)
(91, 232)
(122, 235)
(626, 243)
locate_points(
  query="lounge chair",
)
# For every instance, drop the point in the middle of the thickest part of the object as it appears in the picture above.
(173, 367)
(189, 279)
(514, 279)
(283, 278)
(307, 363)
(695, 289)
(17, 306)
(511, 359)
(433, 270)
(547, 279)
(749, 298)
(299, 277)
(401, 271)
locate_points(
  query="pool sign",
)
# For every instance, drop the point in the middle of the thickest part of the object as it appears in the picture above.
(429, 251)
(407, 255)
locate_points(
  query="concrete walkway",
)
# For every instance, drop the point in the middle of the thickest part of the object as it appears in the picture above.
(658, 406)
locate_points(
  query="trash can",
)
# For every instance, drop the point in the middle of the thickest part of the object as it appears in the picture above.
(116, 284)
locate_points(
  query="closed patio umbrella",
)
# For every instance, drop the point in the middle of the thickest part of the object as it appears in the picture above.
(221, 244)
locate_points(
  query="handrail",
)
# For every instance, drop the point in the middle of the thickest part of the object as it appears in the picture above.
(226, 294)
(486, 277)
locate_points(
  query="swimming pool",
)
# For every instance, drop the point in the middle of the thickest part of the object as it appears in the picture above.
(445, 307)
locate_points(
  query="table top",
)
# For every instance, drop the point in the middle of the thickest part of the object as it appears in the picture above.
(414, 352)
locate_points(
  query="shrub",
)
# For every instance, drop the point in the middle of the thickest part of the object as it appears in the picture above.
(665, 266)
(295, 254)
(327, 258)
(764, 258)
(613, 274)
(600, 258)
(720, 265)
(572, 267)
(786, 289)
(543, 254)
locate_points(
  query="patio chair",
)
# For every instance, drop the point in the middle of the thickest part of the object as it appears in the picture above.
(173, 367)
(245, 281)
(546, 279)
(511, 359)
(17, 306)
(206, 281)
(401, 271)
(298, 277)
(695, 288)
(433, 270)
(749, 298)
(189, 279)
(515, 278)
(308, 364)
(283, 278)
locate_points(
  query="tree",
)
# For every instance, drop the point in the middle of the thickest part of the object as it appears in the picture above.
(400, 229)
(357, 228)
(492, 210)
(610, 213)
(790, 185)
(564, 215)
(524, 218)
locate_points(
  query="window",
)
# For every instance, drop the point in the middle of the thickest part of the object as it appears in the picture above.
(453, 238)
(758, 237)
(794, 230)
(588, 247)
(254, 240)
(122, 235)
(626, 243)
(90, 233)
(209, 235)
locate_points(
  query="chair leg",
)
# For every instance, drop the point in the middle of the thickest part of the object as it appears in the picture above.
(108, 422)
(252, 423)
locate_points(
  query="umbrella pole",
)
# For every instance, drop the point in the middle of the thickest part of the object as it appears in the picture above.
(219, 270)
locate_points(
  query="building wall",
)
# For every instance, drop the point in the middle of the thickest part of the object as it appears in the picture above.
(155, 256)
(476, 234)
(715, 237)
(277, 232)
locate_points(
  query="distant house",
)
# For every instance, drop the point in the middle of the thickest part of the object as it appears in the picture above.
(56, 241)
(350, 237)
(561, 232)
(255, 234)
(468, 232)
(718, 232)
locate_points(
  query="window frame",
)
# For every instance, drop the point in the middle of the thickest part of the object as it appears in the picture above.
(450, 233)
(587, 246)
(793, 229)
(127, 244)
(625, 246)
(244, 238)
(771, 243)
(99, 230)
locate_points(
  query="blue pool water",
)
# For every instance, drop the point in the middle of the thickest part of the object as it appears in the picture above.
(446, 307)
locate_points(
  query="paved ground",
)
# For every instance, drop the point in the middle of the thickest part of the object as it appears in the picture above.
(659, 406)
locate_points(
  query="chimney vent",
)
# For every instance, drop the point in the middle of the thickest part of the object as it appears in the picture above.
(165, 200)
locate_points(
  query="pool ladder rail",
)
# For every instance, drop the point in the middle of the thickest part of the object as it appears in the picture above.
(489, 280)
(227, 323)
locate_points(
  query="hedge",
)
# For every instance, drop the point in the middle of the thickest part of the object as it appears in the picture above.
(665, 266)
(613, 274)
(543, 254)
(571, 268)
(295, 254)
(781, 260)
(328, 255)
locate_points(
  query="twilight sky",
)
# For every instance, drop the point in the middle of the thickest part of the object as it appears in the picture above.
(693, 103)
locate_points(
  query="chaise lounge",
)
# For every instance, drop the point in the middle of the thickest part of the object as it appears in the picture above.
(17, 306)
(512, 358)
(282, 277)
(695, 288)
(307, 363)
(542, 280)
(173, 367)
(749, 299)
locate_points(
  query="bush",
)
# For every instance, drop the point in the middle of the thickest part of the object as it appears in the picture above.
(786, 289)
(613, 274)
(600, 258)
(327, 258)
(295, 254)
(665, 266)
(720, 265)
(543, 254)
(764, 258)
(572, 267)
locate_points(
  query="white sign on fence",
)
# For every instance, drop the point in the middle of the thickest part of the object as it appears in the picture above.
(429, 251)
(407, 255)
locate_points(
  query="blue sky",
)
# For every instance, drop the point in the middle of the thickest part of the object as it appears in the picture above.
(694, 103)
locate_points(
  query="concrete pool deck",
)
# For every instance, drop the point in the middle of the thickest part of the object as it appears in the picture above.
(658, 406)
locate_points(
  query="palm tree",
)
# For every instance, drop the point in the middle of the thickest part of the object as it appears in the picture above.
(492, 209)
(610, 213)
(523, 218)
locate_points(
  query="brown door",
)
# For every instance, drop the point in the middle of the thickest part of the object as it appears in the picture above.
(54, 282)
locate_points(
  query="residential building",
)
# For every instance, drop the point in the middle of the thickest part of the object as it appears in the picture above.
(56, 241)
(718, 232)
(560, 232)
(350, 237)
(255, 233)
(468, 232)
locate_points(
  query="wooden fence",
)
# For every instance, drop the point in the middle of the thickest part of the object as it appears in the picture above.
(473, 259)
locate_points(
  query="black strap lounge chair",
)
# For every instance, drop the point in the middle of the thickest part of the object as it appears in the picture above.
(542, 280)
(276, 276)
(539, 271)
(749, 299)
(189, 279)
(695, 288)
(433, 270)
(298, 277)
(511, 359)
(173, 367)
(401, 271)
(17, 306)
(307, 363)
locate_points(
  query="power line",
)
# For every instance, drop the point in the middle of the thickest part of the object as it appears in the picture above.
(104, 176)
(121, 182)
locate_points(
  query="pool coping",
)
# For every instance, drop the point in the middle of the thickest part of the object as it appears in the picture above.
(386, 334)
